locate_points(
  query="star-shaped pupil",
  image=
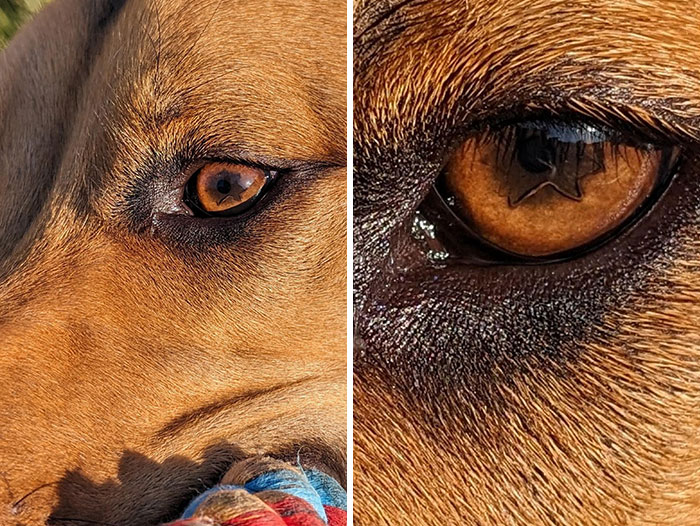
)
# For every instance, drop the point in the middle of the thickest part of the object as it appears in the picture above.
(229, 186)
(539, 161)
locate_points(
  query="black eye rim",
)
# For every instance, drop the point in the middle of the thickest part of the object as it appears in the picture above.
(616, 130)
(452, 230)
(619, 122)
(191, 201)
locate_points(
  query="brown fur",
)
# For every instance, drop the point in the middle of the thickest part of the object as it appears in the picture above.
(137, 364)
(605, 432)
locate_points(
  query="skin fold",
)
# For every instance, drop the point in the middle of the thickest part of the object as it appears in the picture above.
(510, 394)
(144, 351)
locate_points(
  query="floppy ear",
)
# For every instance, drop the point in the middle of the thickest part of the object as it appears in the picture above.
(40, 84)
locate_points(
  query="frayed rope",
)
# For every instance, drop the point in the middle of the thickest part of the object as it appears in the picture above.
(262, 491)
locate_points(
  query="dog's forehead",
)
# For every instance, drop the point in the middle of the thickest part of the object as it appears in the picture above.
(244, 71)
(413, 57)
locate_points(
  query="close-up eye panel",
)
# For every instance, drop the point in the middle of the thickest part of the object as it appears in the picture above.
(549, 190)
(526, 262)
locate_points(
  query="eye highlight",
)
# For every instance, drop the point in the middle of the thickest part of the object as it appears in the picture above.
(538, 189)
(225, 188)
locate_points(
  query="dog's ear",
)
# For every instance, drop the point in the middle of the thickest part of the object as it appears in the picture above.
(40, 85)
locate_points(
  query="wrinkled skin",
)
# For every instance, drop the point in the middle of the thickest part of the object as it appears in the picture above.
(143, 351)
(564, 393)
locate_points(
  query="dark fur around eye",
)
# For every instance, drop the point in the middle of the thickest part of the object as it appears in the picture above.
(463, 326)
(141, 205)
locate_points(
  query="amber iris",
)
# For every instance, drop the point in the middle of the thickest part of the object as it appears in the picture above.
(221, 188)
(538, 191)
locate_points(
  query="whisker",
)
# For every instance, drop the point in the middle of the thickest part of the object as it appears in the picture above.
(16, 505)
(201, 34)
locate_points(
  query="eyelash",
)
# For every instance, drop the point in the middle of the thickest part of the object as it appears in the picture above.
(505, 139)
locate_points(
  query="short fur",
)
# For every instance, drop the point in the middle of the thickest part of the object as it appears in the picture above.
(565, 394)
(140, 356)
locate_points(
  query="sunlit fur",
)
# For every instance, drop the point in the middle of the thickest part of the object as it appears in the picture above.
(135, 366)
(608, 438)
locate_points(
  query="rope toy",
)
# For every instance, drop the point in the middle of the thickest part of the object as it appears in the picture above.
(262, 491)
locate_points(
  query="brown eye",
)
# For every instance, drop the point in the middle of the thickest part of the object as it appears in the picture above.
(221, 188)
(537, 190)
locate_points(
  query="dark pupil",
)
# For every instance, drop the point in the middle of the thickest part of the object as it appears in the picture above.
(223, 186)
(535, 152)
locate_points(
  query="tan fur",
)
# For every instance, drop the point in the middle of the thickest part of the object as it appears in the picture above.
(133, 369)
(493, 48)
(612, 437)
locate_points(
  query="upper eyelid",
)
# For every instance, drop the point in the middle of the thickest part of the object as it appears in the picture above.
(639, 120)
(620, 120)
(176, 169)
(232, 153)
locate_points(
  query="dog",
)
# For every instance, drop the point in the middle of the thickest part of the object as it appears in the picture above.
(493, 390)
(149, 342)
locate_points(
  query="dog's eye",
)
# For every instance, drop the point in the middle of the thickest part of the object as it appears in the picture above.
(536, 190)
(223, 189)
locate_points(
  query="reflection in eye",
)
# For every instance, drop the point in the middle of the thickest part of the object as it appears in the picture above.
(221, 188)
(539, 189)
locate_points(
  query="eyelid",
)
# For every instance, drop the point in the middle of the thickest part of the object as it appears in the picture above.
(574, 125)
(621, 121)
(180, 166)
(581, 132)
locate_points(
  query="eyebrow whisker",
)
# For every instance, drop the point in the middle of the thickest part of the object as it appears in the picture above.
(16, 506)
